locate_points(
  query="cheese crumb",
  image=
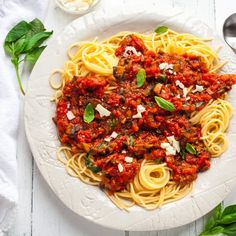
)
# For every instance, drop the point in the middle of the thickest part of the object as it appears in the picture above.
(198, 88)
(70, 115)
(130, 49)
(123, 151)
(113, 135)
(174, 142)
(140, 110)
(120, 168)
(181, 85)
(166, 66)
(129, 159)
(102, 110)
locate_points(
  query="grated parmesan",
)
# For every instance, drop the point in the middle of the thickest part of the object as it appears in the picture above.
(120, 168)
(198, 88)
(102, 110)
(113, 135)
(140, 110)
(132, 50)
(128, 159)
(70, 115)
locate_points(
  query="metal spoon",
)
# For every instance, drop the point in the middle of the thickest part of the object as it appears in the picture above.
(229, 31)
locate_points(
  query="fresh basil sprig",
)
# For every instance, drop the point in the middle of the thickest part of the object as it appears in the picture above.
(141, 76)
(221, 222)
(164, 104)
(161, 29)
(25, 39)
(190, 148)
(89, 113)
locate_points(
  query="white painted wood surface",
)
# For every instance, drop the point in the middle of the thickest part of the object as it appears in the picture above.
(40, 212)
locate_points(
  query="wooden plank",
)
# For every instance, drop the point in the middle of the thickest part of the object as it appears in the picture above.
(52, 217)
(22, 226)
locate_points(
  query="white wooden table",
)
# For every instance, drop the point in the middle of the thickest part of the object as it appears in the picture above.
(40, 212)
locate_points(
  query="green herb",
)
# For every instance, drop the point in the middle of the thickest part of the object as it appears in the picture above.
(113, 122)
(90, 165)
(158, 160)
(101, 145)
(141, 76)
(89, 113)
(25, 39)
(164, 104)
(190, 148)
(182, 153)
(198, 104)
(131, 140)
(162, 78)
(161, 29)
(221, 222)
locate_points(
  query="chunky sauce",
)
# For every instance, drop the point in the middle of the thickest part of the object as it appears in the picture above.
(140, 138)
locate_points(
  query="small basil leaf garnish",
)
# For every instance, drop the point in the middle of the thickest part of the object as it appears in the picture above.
(90, 165)
(164, 104)
(161, 29)
(89, 113)
(141, 76)
(190, 148)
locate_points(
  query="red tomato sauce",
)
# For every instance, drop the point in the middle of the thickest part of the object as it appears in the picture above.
(140, 138)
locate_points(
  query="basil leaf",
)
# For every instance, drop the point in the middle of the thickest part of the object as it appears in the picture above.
(37, 26)
(37, 40)
(17, 31)
(162, 78)
(164, 104)
(210, 223)
(230, 229)
(141, 76)
(19, 45)
(182, 153)
(229, 210)
(90, 165)
(218, 212)
(33, 56)
(161, 29)
(228, 219)
(89, 113)
(214, 231)
(189, 148)
(9, 48)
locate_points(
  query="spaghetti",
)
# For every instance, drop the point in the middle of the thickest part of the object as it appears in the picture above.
(141, 150)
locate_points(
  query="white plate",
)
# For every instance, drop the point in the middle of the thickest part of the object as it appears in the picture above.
(90, 202)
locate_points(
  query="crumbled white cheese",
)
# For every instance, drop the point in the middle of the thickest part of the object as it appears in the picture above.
(169, 149)
(113, 135)
(129, 159)
(166, 66)
(70, 115)
(129, 50)
(123, 151)
(102, 110)
(187, 98)
(120, 168)
(174, 142)
(181, 85)
(108, 139)
(198, 88)
(185, 92)
(178, 96)
(140, 110)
